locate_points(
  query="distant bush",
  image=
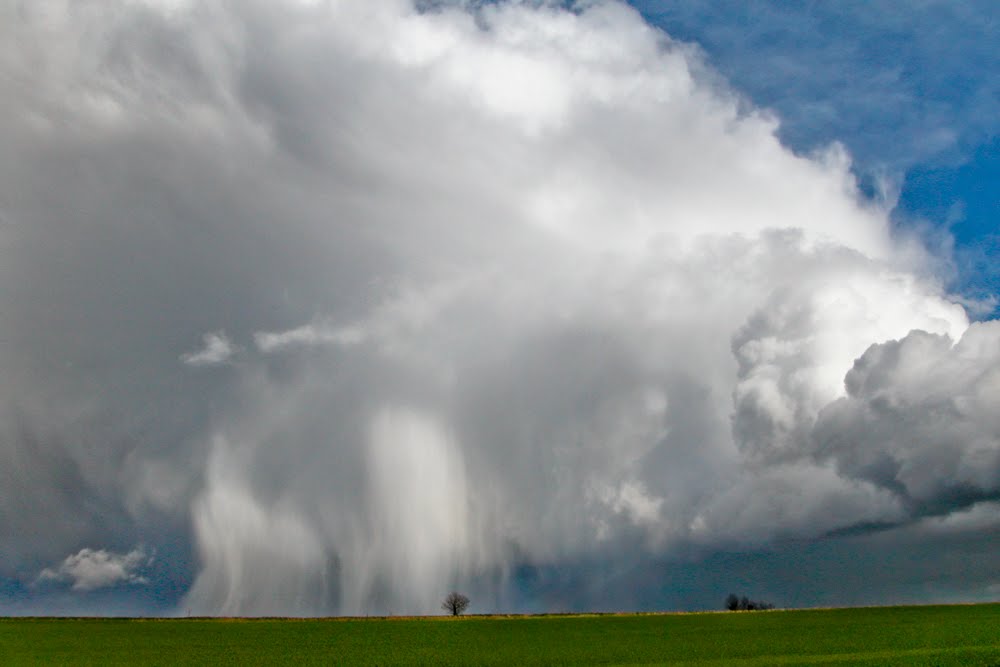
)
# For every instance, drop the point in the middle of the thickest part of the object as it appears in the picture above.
(734, 603)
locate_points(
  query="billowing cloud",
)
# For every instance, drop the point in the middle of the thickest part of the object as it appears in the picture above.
(91, 569)
(920, 419)
(516, 289)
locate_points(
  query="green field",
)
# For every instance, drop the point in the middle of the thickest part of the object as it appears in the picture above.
(933, 635)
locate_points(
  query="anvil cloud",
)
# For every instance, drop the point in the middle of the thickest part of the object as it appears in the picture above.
(338, 306)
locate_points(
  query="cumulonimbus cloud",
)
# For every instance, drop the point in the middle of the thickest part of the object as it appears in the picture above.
(526, 286)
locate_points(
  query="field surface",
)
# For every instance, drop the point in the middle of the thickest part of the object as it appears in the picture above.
(932, 635)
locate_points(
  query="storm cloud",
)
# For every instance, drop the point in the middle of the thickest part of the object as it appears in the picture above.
(338, 306)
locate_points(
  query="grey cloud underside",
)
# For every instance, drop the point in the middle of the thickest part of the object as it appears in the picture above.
(920, 418)
(340, 308)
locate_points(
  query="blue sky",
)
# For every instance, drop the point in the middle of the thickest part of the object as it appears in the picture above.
(912, 89)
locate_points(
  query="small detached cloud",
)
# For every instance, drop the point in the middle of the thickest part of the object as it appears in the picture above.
(91, 569)
(217, 349)
(310, 335)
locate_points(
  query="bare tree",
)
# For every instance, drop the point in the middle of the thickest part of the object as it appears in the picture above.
(455, 603)
(732, 602)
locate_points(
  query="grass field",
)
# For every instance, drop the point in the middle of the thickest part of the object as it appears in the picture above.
(933, 635)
